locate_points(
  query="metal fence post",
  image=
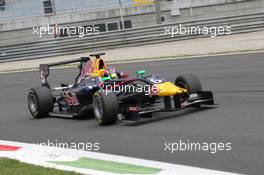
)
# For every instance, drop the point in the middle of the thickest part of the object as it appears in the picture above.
(105, 4)
(263, 6)
(191, 8)
(73, 5)
(157, 11)
(121, 14)
(12, 12)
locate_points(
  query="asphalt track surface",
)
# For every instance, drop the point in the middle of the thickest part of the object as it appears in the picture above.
(237, 82)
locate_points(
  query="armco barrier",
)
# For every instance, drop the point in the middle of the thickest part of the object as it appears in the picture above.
(130, 37)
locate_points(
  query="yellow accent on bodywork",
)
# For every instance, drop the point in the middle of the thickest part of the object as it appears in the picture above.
(169, 89)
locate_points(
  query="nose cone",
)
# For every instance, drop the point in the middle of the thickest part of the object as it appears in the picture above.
(169, 89)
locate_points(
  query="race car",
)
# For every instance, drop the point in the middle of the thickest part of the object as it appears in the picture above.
(110, 96)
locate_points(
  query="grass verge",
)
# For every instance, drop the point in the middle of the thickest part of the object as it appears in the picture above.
(14, 167)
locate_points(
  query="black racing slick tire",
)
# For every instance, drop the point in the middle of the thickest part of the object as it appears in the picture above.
(190, 82)
(40, 102)
(106, 107)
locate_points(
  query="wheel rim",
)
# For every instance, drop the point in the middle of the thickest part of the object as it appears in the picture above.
(98, 108)
(32, 101)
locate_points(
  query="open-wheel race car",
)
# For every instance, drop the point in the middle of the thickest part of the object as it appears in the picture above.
(109, 95)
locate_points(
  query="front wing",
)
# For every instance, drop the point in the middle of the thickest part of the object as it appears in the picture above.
(195, 100)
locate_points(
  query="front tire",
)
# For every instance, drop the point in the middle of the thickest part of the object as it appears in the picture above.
(40, 102)
(190, 82)
(105, 107)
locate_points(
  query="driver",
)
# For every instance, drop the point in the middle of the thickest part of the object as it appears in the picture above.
(109, 73)
(105, 73)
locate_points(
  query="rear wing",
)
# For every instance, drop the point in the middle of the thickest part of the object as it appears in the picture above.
(44, 68)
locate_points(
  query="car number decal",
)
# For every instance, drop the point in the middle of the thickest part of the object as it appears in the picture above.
(155, 80)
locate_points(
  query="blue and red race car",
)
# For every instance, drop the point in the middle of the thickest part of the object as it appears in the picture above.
(109, 95)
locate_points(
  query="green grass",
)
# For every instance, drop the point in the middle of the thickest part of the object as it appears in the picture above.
(14, 167)
(109, 166)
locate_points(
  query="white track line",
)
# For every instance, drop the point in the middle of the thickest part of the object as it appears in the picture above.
(39, 155)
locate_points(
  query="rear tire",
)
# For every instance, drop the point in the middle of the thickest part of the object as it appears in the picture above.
(40, 102)
(105, 107)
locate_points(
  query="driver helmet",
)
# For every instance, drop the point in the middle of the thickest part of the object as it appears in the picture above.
(105, 73)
